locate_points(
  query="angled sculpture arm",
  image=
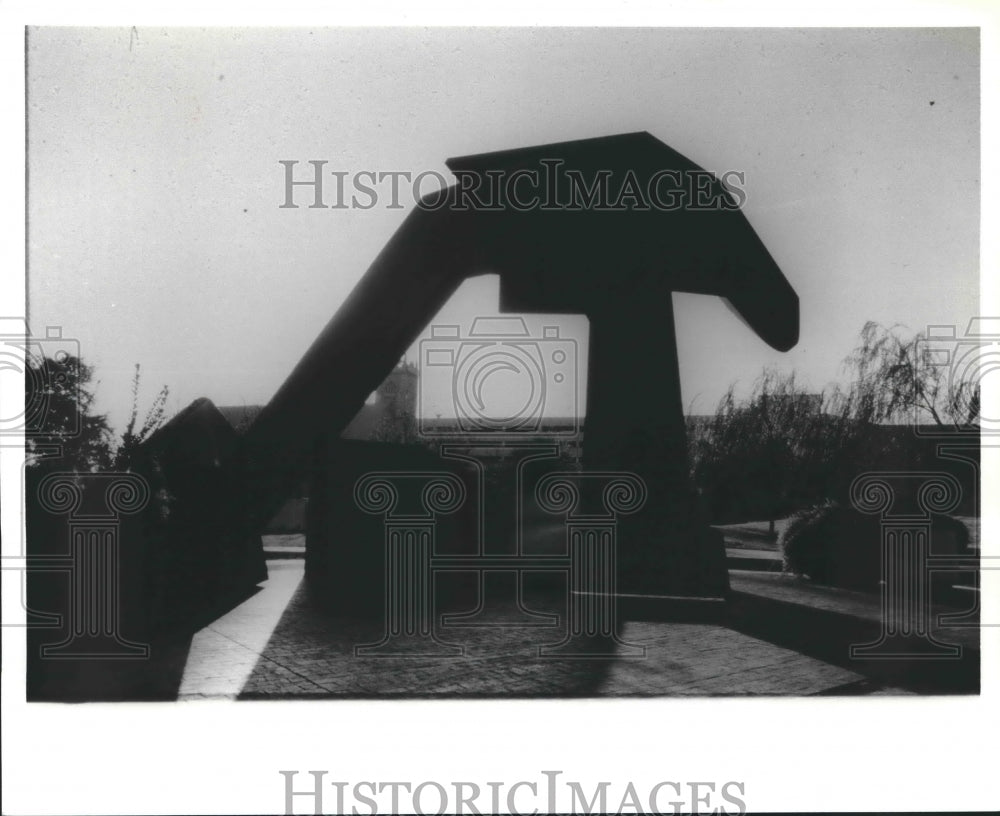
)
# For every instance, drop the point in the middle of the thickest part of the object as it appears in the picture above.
(412, 277)
(743, 273)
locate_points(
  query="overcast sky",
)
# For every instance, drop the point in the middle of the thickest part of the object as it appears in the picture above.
(156, 234)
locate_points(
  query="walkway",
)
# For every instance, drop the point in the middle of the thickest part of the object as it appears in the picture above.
(278, 644)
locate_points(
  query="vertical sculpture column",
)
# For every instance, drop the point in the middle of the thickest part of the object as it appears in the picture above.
(409, 547)
(592, 541)
(905, 542)
(94, 623)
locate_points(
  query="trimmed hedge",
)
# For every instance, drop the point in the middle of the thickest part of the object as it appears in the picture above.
(840, 546)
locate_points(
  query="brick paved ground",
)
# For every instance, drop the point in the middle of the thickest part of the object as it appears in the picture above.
(278, 644)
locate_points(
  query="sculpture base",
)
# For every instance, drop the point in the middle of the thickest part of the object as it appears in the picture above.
(686, 564)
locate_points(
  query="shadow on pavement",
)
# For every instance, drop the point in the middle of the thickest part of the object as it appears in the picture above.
(311, 654)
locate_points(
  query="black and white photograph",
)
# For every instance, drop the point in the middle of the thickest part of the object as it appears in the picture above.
(393, 376)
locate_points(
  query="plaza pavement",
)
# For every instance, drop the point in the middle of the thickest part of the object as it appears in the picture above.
(279, 644)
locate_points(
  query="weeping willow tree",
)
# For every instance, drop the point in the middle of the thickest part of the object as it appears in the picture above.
(782, 447)
(762, 456)
(898, 377)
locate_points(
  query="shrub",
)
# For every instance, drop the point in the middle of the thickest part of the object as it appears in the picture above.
(840, 546)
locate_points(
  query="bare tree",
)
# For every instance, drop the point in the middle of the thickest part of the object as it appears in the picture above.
(131, 439)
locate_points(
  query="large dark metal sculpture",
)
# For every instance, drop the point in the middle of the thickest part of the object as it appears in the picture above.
(616, 264)
(606, 251)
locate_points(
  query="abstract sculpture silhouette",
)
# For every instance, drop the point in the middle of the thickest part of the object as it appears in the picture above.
(616, 265)
(196, 549)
